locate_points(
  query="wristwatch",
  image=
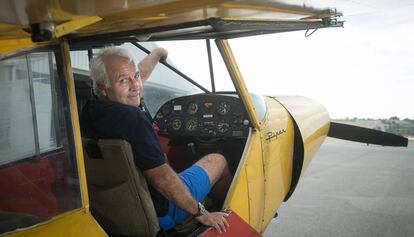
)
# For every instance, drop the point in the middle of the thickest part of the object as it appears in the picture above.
(201, 210)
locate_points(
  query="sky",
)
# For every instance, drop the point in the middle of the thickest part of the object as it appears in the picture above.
(364, 70)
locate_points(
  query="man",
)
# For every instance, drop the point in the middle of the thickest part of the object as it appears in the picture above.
(118, 85)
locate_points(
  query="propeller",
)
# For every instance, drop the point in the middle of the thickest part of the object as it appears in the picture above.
(365, 135)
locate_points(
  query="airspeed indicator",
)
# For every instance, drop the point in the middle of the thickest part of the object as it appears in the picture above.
(223, 126)
(176, 124)
(223, 108)
(191, 125)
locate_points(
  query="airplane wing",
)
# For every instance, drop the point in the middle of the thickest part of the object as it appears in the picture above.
(24, 25)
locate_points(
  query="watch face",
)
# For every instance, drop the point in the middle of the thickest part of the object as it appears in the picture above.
(201, 208)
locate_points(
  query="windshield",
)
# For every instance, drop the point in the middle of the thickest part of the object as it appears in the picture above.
(191, 59)
(164, 84)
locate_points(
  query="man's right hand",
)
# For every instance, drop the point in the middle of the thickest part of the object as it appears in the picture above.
(215, 219)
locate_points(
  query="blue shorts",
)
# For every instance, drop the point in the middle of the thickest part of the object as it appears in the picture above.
(196, 180)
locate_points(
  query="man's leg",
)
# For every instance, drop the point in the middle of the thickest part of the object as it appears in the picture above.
(214, 165)
(220, 177)
(197, 182)
(199, 179)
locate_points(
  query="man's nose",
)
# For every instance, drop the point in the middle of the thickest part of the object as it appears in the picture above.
(134, 84)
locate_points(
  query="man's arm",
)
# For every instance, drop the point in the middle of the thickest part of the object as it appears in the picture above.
(166, 181)
(147, 65)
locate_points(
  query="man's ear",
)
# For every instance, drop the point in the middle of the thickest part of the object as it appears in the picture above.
(101, 89)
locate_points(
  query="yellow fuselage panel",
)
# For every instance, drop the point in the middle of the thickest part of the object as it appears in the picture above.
(277, 145)
(72, 224)
(313, 122)
(245, 195)
(265, 171)
(255, 183)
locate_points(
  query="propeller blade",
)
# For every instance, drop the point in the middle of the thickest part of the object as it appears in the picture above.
(365, 135)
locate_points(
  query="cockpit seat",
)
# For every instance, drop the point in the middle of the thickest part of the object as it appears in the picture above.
(118, 192)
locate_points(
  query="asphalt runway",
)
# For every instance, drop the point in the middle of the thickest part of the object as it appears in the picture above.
(351, 189)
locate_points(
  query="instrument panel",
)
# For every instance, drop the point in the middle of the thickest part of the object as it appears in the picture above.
(203, 115)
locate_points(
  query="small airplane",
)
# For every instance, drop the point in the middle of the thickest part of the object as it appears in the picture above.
(47, 184)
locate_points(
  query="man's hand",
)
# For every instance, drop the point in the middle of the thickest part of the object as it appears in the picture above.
(215, 219)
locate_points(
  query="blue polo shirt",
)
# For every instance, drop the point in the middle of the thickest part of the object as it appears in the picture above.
(101, 119)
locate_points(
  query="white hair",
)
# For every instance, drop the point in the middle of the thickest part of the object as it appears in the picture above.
(98, 69)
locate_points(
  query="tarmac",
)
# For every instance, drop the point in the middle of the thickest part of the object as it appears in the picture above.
(351, 189)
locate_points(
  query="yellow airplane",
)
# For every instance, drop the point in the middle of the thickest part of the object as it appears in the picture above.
(45, 46)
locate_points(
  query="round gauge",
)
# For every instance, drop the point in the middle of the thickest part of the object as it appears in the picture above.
(223, 126)
(176, 124)
(223, 108)
(166, 109)
(192, 108)
(191, 125)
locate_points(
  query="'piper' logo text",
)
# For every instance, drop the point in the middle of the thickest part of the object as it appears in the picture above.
(271, 135)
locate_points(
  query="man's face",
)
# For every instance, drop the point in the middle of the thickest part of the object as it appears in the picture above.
(125, 85)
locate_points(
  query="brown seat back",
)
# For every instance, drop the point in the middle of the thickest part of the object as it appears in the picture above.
(118, 192)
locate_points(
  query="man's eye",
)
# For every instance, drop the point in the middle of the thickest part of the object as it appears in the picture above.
(122, 80)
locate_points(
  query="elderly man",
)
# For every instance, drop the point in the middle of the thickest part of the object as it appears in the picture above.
(115, 114)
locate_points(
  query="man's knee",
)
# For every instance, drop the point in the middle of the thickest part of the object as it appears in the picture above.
(214, 159)
(214, 164)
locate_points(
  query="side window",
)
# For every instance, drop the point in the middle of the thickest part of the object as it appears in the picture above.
(38, 175)
(16, 119)
(27, 123)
